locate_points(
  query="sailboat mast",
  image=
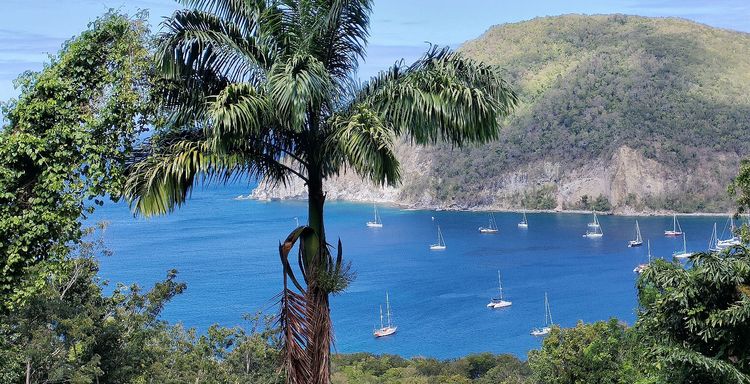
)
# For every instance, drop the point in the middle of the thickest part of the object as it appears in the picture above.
(500, 285)
(649, 251)
(388, 308)
(381, 316)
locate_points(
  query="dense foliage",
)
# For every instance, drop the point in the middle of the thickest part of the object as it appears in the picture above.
(484, 368)
(603, 352)
(695, 320)
(673, 90)
(64, 143)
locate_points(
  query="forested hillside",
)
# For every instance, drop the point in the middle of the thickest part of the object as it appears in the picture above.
(647, 113)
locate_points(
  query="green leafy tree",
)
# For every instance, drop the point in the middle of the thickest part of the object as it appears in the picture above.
(65, 142)
(265, 89)
(588, 353)
(68, 331)
(695, 320)
(740, 188)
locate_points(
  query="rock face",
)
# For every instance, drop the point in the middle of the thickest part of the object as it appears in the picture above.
(650, 114)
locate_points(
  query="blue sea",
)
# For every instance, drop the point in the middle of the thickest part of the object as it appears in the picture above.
(226, 250)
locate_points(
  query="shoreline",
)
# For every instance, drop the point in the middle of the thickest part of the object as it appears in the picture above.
(411, 207)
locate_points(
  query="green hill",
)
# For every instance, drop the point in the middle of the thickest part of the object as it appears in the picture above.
(648, 113)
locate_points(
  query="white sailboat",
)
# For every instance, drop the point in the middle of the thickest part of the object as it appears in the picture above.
(595, 223)
(498, 302)
(638, 240)
(684, 254)
(296, 221)
(642, 267)
(594, 232)
(385, 329)
(547, 320)
(732, 240)
(713, 243)
(492, 226)
(676, 229)
(524, 223)
(441, 242)
(376, 223)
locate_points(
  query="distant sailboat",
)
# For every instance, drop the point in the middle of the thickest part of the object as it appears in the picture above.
(492, 226)
(642, 267)
(441, 242)
(296, 220)
(376, 223)
(713, 243)
(388, 329)
(638, 240)
(732, 240)
(676, 229)
(524, 223)
(498, 302)
(594, 232)
(684, 254)
(595, 223)
(547, 320)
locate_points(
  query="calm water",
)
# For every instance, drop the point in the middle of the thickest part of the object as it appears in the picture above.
(226, 252)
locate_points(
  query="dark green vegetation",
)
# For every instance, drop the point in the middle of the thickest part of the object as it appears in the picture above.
(672, 90)
(64, 145)
(264, 89)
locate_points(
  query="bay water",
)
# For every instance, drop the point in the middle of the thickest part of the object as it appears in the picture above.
(226, 250)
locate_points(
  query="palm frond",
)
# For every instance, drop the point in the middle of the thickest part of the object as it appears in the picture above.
(163, 176)
(674, 354)
(195, 41)
(341, 34)
(441, 97)
(296, 86)
(367, 145)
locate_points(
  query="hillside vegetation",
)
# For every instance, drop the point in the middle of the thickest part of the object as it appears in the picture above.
(674, 91)
(649, 114)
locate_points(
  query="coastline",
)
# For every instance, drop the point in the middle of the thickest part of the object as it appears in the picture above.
(412, 207)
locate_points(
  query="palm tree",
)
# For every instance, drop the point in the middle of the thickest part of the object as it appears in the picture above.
(265, 89)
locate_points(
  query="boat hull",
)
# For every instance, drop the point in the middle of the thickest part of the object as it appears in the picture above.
(633, 243)
(437, 247)
(374, 225)
(499, 304)
(541, 332)
(522, 225)
(672, 233)
(593, 235)
(385, 331)
(488, 230)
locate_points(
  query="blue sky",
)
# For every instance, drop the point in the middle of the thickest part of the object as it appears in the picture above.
(30, 29)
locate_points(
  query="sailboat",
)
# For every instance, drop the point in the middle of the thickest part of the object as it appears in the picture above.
(638, 240)
(441, 242)
(713, 243)
(388, 329)
(524, 223)
(642, 267)
(676, 229)
(684, 254)
(376, 223)
(595, 223)
(498, 302)
(296, 221)
(492, 226)
(731, 241)
(594, 232)
(547, 320)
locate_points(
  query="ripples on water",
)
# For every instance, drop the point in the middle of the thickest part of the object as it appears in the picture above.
(226, 252)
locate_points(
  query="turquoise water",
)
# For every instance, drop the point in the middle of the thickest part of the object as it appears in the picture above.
(226, 252)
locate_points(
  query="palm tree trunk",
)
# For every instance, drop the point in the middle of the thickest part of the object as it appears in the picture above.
(321, 336)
